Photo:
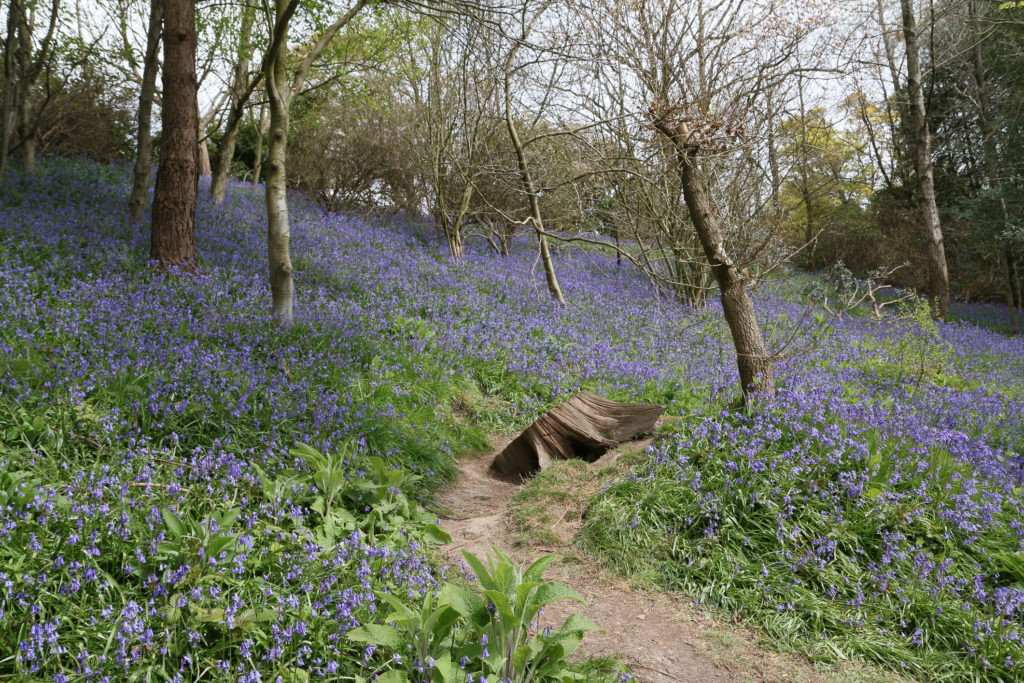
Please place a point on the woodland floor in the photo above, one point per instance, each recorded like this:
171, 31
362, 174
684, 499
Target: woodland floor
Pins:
661, 637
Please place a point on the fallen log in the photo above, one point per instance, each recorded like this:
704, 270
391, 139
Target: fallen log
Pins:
583, 427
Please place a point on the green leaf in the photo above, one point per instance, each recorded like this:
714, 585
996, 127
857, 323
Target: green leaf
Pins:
522, 656
482, 575
537, 569
212, 616
310, 455
377, 634
577, 623
318, 505
444, 666
436, 535
172, 523
551, 592
393, 676
466, 602
439, 624
397, 605
228, 519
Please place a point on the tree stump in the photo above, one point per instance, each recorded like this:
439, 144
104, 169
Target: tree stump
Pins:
583, 427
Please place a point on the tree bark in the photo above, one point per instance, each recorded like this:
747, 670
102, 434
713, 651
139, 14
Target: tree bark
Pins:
282, 286
752, 359
205, 169
27, 134
240, 91
144, 146
938, 274
15, 16
177, 177
257, 163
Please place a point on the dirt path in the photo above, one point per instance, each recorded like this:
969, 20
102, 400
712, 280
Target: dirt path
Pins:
662, 638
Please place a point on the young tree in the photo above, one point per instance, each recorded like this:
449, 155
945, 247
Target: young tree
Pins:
24, 63
526, 176
706, 70
240, 89
177, 177
144, 143
281, 90
938, 274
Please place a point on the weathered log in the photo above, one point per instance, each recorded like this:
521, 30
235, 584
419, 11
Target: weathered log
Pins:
583, 427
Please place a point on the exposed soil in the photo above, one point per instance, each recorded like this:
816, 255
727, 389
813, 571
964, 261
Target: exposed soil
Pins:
663, 638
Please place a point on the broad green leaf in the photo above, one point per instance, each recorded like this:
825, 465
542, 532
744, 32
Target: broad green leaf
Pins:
172, 523
447, 668
213, 616
537, 569
465, 601
577, 623
551, 592
228, 519
376, 634
482, 575
436, 535
397, 604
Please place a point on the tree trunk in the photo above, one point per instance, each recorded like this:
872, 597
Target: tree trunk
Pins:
239, 96
15, 15
938, 275
805, 180
282, 286
205, 170
257, 163
144, 146
752, 360
526, 178
899, 129
174, 200
773, 167
26, 135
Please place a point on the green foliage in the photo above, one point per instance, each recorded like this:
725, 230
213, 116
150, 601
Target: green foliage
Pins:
489, 632
911, 349
347, 492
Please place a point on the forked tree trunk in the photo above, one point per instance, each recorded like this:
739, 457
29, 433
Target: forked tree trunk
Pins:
144, 146
177, 177
752, 359
282, 286
240, 92
938, 275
